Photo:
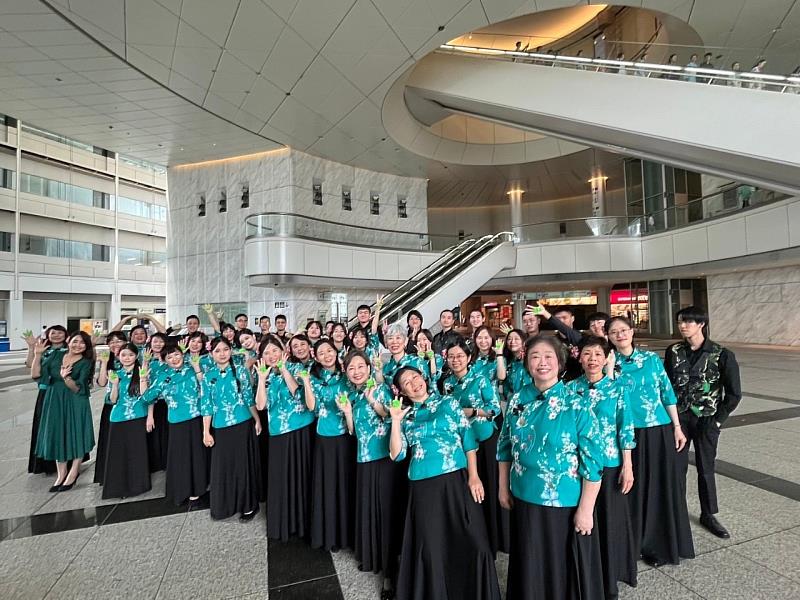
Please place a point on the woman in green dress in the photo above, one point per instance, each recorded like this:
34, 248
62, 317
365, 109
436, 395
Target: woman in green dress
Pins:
66, 432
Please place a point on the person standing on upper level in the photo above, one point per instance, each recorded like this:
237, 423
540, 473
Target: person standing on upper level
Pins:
448, 335
706, 380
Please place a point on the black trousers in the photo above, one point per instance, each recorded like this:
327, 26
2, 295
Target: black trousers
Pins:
703, 433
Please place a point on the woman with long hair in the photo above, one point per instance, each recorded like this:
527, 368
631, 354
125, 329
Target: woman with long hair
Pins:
227, 405
66, 432
158, 438
109, 362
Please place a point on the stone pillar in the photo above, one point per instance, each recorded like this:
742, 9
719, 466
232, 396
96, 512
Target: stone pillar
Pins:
515, 204
598, 191
603, 299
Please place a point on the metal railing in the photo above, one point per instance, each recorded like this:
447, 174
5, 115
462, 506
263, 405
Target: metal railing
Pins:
691, 74
290, 225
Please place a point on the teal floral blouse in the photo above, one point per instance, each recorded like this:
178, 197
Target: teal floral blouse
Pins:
608, 400
437, 435
408, 360
372, 430
552, 442
649, 388
330, 420
475, 390
517, 377
128, 406
287, 412
426, 363
181, 391
222, 399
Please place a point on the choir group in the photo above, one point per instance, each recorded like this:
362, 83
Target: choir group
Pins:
426, 455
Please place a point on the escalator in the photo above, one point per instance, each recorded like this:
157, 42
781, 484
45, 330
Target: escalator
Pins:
458, 273
743, 134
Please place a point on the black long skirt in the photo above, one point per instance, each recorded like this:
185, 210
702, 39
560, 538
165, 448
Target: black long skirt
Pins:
102, 444
446, 554
548, 559
615, 532
126, 470
381, 496
235, 470
658, 499
36, 464
188, 461
263, 453
333, 493
289, 494
498, 519
158, 439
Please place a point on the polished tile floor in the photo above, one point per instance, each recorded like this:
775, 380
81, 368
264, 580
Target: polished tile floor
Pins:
76, 545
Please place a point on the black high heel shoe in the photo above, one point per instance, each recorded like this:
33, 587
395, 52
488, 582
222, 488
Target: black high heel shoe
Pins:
55, 488
68, 487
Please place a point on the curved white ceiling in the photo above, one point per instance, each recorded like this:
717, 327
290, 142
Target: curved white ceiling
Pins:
175, 81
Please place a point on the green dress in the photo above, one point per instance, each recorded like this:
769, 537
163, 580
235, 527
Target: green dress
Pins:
66, 431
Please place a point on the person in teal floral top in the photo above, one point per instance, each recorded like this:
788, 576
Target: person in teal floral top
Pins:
127, 469
158, 438
517, 375
196, 347
188, 459
446, 552
291, 437
475, 385
432, 363
381, 484
333, 492
227, 404
658, 499
396, 341
607, 398
116, 340
550, 473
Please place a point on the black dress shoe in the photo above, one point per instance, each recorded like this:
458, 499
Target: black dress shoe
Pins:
68, 487
54, 488
245, 517
653, 561
715, 527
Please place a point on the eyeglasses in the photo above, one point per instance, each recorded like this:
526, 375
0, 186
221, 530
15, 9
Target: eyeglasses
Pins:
619, 332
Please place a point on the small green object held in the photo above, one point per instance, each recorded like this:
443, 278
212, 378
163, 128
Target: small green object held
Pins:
396, 403
142, 372
262, 369
421, 354
429, 354
27, 333
343, 399
303, 373
370, 383
279, 364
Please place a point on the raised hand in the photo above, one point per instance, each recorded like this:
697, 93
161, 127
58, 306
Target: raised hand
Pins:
381, 299
144, 373
208, 308
263, 369
65, 371
498, 346
195, 360
113, 377
147, 356
39, 347
103, 355
370, 386
377, 363
182, 346
505, 328
28, 338
303, 376
342, 399
396, 410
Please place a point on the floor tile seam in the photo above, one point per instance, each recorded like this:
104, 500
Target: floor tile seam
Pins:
763, 566
287, 585
171, 554
681, 583
72, 560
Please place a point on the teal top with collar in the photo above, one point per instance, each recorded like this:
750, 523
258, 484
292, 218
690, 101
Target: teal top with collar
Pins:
287, 412
128, 406
475, 390
552, 442
48, 354
372, 431
517, 377
649, 388
327, 388
181, 391
226, 397
426, 363
408, 360
608, 400
437, 435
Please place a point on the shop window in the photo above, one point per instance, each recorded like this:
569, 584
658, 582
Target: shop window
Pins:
402, 207
316, 193
347, 201
245, 195
374, 203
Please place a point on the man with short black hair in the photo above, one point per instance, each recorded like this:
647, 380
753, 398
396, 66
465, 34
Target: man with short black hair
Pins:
447, 335
192, 324
530, 323
280, 329
264, 324
706, 380
562, 320
241, 321
597, 324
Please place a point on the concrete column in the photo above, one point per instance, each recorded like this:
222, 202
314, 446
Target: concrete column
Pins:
15, 325
603, 300
598, 190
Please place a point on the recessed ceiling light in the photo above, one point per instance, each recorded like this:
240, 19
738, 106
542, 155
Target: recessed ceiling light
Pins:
214, 144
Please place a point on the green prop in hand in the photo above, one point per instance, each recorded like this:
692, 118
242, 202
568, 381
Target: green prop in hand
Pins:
182, 347
262, 369
27, 333
370, 383
303, 374
143, 372
195, 359
113, 376
343, 399
396, 403
279, 364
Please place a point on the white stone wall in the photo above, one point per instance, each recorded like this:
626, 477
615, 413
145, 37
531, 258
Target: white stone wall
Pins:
205, 254
757, 307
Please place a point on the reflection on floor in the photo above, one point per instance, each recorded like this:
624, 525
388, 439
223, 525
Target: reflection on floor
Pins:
76, 545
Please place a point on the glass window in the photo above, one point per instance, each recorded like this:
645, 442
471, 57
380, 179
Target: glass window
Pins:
57, 248
141, 258
6, 241
137, 208
7, 178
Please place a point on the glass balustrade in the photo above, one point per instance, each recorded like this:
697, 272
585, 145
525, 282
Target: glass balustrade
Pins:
298, 226
697, 73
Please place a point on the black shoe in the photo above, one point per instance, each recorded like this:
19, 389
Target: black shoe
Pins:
65, 487
653, 561
715, 527
54, 488
245, 517
387, 595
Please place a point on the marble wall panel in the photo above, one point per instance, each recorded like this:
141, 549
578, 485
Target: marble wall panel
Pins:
735, 301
